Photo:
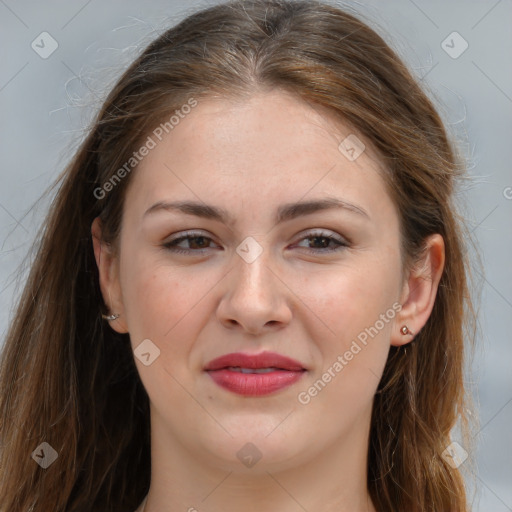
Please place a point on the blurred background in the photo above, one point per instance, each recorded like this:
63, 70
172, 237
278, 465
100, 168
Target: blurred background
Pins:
61, 57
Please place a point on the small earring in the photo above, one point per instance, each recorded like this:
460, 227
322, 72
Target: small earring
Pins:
114, 316
405, 330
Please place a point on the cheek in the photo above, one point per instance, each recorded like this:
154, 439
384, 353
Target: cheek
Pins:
351, 330
163, 302
148, 294
351, 343
347, 299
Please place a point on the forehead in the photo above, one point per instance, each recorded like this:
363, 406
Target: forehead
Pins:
270, 147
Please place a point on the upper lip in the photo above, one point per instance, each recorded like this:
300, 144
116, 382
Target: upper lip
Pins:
254, 361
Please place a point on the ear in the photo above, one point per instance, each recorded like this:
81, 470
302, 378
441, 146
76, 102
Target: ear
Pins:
419, 291
108, 268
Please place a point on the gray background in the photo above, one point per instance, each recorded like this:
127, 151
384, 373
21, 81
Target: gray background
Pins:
47, 103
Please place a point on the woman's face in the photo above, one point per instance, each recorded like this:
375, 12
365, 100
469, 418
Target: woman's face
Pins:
293, 250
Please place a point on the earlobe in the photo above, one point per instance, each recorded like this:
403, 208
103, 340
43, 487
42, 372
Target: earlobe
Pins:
419, 292
107, 264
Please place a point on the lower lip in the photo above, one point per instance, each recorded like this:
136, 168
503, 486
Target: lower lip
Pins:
254, 384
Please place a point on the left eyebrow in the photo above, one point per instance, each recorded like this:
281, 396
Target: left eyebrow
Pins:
285, 212
293, 210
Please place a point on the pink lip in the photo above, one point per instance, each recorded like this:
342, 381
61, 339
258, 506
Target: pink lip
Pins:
287, 371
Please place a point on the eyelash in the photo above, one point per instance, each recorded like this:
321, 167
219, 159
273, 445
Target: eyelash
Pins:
172, 244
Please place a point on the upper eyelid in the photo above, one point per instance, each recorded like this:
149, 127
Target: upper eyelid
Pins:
309, 232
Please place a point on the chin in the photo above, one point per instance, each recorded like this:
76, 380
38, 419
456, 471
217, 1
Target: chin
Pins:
253, 451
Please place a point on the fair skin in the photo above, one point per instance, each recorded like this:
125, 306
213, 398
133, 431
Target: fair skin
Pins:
296, 298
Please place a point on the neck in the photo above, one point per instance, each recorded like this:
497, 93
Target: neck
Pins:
332, 481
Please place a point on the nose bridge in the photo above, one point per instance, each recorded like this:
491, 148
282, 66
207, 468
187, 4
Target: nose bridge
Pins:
254, 297
251, 280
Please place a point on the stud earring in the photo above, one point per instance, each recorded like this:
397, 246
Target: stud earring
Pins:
405, 330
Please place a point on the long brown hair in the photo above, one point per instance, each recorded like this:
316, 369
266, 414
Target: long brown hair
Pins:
69, 380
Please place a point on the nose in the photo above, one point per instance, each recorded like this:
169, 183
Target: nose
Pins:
255, 299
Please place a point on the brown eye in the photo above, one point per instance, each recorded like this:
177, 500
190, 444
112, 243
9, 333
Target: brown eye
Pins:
197, 242
324, 242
